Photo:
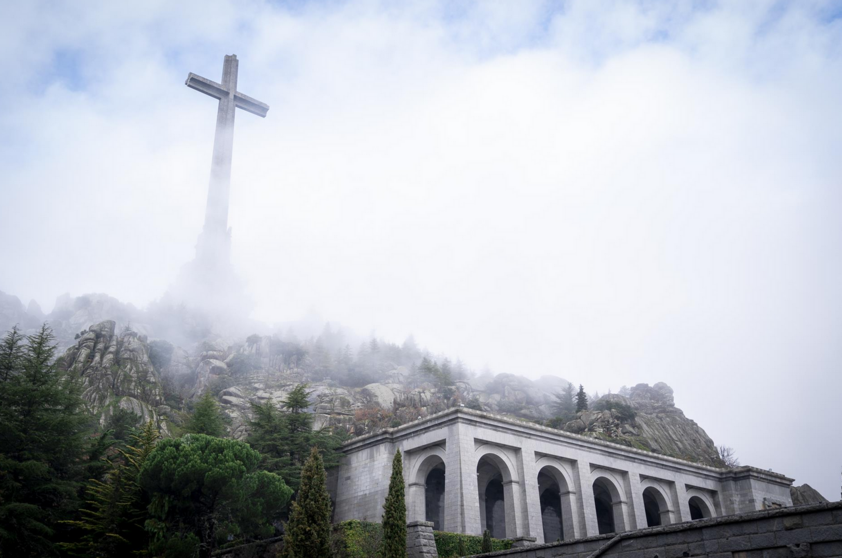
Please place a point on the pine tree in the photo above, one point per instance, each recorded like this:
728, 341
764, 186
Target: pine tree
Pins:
206, 489
308, 531
42, 426
460, 547
394, 513
284, 438
581, 400
565, 404
206, 418
115, 511
486, 542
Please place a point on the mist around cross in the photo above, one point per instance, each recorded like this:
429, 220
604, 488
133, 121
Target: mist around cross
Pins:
613, 193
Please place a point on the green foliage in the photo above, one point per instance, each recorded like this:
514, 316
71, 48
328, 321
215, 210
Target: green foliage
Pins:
308, 533
394, 513
210, 487
565, 404
474, 403
123, 424
450, 545
357, 539
622, 410
442, 376
581, 400
285, 437
42, 426
487, 545
206, 418
113, 516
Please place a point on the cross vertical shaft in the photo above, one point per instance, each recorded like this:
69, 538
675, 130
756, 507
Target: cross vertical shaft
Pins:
213, 244
216, 213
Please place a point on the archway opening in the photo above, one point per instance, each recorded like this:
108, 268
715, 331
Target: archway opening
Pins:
699, 509
551, 514
434, 497
492, 497
650, 505
604, 503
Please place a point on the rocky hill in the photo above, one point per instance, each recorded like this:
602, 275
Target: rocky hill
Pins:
158, 380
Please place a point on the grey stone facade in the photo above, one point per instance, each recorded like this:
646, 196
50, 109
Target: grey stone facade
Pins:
516, 477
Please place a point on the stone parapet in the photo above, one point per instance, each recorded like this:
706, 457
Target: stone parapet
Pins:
420, 542
795, 532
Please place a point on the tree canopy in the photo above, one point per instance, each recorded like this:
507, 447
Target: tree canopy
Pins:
211, 488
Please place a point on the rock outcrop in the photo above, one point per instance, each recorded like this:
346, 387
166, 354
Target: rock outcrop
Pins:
805, 495
116, 372
157, 380
647, 419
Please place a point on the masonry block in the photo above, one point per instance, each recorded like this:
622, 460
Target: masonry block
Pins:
735, 544
820, 518
762, 540
783, 538
826, 550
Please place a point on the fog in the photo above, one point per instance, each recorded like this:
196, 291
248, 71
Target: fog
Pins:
611, 192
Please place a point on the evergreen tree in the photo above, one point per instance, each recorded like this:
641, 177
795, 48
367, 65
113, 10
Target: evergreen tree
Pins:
565, 404
206, 418
115, 511
394, 513
581, 400
208, 488
460, 547
42, 426
486, 542
308, 531
284, 438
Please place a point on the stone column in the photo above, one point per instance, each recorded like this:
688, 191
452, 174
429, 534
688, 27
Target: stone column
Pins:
533, 525
637, 508
420, 542
454, 491
682, 513
415, 495
470, 490
585, 489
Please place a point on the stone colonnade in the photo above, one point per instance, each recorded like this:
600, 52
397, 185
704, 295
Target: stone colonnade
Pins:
467, 471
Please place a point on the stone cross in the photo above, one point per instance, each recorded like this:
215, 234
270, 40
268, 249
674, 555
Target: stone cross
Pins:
215, 233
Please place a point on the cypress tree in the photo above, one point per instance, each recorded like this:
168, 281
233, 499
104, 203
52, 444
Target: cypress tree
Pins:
581, 400
486, 542
308, 530
394, 513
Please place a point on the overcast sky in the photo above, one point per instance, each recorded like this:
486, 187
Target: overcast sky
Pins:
612, 192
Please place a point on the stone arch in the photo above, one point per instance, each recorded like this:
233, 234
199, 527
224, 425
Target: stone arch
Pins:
559, 497
609, 503
664, 496
656, 507
497, 485
426, 495
699, 508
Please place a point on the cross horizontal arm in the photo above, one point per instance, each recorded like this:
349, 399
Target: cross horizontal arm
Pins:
251, 105
206, 86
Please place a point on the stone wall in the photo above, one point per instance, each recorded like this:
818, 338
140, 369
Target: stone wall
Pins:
806, 531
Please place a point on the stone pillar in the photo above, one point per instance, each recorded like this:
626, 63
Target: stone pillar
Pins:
585, 488
638, 510
470, 489
683, 511
454, 490
533, 525
420, 542
415, 495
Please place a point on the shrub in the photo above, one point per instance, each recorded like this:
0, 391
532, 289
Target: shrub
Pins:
448, 544
622, 410
357, 539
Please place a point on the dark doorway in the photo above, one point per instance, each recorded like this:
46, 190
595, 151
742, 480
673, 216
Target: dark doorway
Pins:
495, 509
434, 497
604, 508
653, 510
698, 508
